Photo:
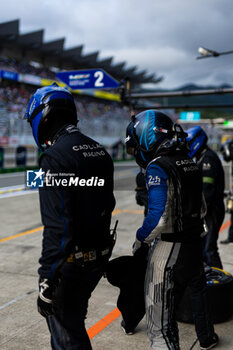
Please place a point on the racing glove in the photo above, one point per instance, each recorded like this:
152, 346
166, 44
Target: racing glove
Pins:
45, 297
137, 244
142, 252
141, 197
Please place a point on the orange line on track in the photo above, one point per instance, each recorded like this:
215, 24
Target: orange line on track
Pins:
115, 212
22, 234
129, 211
224, 226
115, 313
103, 323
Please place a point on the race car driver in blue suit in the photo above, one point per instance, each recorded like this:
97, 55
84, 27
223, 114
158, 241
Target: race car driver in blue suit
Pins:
173, 228
76, 240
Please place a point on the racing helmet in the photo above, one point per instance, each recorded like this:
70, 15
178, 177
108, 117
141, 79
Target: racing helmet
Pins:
146, 133
227, 150
129, 141
50, 107
197, 140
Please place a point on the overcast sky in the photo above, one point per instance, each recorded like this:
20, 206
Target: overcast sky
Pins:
160, 36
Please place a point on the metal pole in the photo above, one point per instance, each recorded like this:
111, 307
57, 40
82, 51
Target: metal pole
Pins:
214, 54
225, 53
128, 91
184, 93
139, 107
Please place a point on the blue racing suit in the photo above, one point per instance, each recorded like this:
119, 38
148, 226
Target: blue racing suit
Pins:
173, 226
156, 180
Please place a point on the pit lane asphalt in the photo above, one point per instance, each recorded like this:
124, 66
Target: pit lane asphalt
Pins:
22, 328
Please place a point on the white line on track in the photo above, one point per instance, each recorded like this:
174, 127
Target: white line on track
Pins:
12, 188
16, 194
12, 191
18, 299
7, 175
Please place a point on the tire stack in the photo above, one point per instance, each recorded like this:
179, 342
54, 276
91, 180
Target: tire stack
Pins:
219, 294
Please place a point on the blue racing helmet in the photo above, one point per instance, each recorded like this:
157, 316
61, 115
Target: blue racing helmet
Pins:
145, 134
50, 106
197, 140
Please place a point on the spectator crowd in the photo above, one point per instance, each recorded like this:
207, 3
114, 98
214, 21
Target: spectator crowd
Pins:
96, 117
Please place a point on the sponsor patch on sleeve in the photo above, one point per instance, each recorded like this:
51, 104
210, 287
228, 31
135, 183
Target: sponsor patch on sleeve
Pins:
154, 180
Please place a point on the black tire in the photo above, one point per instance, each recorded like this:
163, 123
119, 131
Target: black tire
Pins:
219, 294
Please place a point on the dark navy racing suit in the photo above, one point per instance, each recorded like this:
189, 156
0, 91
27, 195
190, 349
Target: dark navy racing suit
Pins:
213, 188
173, 226
76, 238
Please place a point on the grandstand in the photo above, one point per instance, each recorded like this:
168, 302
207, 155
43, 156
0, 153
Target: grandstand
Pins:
27, 62
25, 48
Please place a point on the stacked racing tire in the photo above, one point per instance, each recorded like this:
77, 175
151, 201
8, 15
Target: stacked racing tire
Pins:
219, 294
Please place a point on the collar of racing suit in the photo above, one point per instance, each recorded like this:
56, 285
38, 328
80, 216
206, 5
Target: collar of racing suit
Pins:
168, 147
200, 155
61, 131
